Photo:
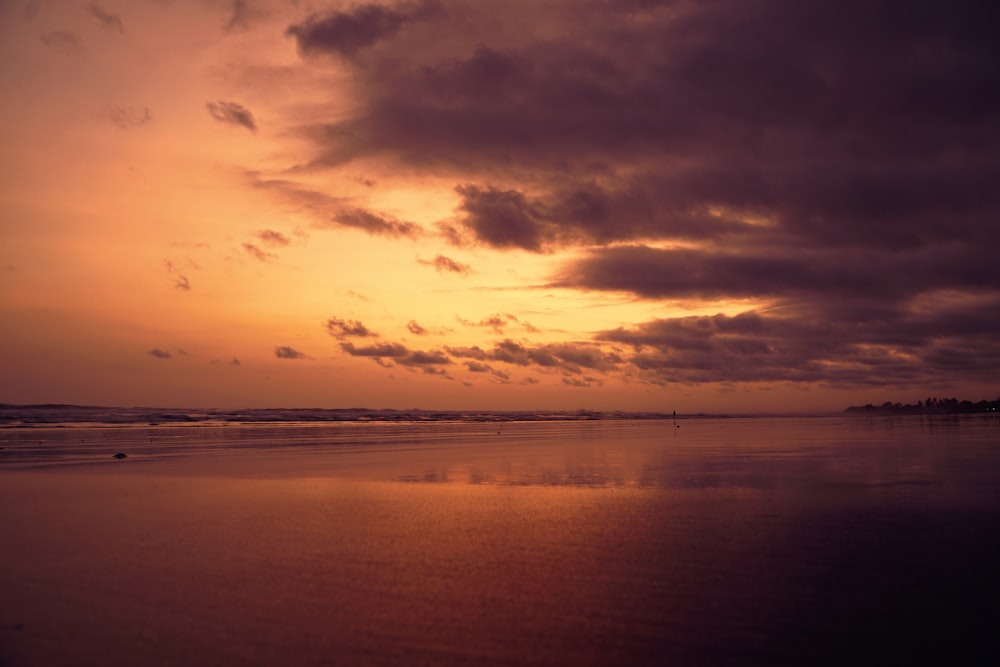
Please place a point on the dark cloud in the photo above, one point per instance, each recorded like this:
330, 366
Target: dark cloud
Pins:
272, 238
498, 322
182, 283
841, 274
286, 352
398, 353
501, 218
477, 367
244, 13
834, 164
63, 41
334, 212
415, 328
568, 357
898, 348
388, 350
127, 117
356, 295
257, 253
345, 33
832, 123
30, 11
446, 264
107, 20
160, 354
421, 358
232, 113
373, 223
339, 328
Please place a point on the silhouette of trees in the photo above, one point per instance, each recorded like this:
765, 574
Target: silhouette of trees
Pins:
929, 406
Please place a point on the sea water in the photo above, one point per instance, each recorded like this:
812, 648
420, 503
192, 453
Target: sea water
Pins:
793, 540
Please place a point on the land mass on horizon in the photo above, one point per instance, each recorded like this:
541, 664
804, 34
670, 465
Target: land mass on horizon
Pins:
930, 406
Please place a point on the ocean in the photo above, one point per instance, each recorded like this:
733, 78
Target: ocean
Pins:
406, 538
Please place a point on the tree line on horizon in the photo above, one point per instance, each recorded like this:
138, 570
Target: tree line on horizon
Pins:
930, 406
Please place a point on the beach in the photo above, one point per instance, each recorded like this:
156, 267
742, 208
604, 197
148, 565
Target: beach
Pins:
745, 541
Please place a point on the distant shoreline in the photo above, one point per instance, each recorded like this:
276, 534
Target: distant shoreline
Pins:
61, 414
56, 414
930, 406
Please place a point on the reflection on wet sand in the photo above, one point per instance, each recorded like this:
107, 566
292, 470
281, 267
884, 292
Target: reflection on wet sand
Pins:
732, 543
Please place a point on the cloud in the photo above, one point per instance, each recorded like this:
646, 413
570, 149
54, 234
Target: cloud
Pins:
569, 357
382, 350
841, 274
356, 295
415, 328
232, 113
107, 20
182, 283
442, 263
63, 41
501, 218
257, 253
346, 33
374, 223
244, 13
333, 212
340, 328
831, 123
160, 354
286, 352
127, 117
897, 348
498, 322
272, 238
830, 165
398, 353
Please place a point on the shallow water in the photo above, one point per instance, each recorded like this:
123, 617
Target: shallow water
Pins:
725, 541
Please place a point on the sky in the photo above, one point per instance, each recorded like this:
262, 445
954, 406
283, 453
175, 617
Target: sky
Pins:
701, 206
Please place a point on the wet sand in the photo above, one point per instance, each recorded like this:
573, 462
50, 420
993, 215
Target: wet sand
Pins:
551, 547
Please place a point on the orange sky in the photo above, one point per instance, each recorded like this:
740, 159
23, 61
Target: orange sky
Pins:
246, 204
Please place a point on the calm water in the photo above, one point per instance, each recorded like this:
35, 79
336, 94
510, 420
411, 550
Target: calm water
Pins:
725, 541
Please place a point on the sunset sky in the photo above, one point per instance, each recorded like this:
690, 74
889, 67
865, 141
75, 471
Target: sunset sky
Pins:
711, 206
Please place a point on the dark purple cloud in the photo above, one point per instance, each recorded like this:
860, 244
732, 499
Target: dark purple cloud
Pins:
107, 20
345, 33
834, 123
374, 223
570, 357
447, 265
340, 328
862, 273
387, 350
833, 165
63, 41
398, 353
232, 113
160, 354
332, 212
257, 253
896, 349
244, 13
127, 117
272, 238
286, 352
